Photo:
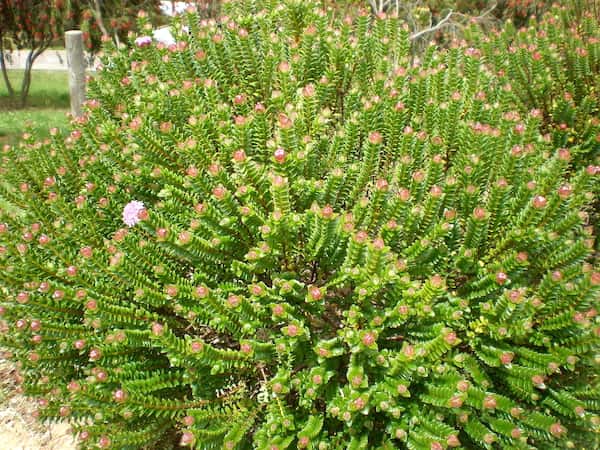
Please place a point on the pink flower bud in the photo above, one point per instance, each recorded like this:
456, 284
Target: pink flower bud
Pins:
22, 297
278, 181
239, 99
292, 330
463, 385
501, 278
161, 233
234, 301
359, 403
284, 121
157, 329
119, 395
315, 293
538, 380
278, 310
91, 305
506, 357
375, 138
418, 176
171, 290
309, 90
104, 442
453, 441
592, 170
143, 41
557, 430
73, 386
279, 155
450, 338
246, 348
368, 339
219, 192
35, 325
515, 296
455, 402
539, 202
283, 67
436, 191
197, 346
557, 276
382, 184
95, 354
489, 402
404, 194
479, 213
522, 257
101, 376
327, 212
86, 252
187, 438
184, 237
239, 156
201, 291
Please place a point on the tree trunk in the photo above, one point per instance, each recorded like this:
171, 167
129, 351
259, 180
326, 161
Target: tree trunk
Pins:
9, 88
26, 82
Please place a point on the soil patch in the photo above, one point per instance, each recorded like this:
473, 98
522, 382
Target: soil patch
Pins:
19, 430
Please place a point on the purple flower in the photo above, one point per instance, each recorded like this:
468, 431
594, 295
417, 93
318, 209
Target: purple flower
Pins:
131, 211
143, 41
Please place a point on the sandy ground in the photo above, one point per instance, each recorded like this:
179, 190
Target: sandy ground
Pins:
18, 429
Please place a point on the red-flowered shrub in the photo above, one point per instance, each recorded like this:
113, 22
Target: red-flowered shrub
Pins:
31, 25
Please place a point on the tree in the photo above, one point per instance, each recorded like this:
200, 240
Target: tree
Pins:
114, 18
31, 25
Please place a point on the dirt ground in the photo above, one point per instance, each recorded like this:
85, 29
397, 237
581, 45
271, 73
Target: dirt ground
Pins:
18, 429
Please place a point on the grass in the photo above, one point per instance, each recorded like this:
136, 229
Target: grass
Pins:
47, 104
49, 88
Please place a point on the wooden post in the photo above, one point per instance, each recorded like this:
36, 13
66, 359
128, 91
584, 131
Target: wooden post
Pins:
76, 65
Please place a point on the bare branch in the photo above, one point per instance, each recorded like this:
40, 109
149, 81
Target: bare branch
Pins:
436, 27
481, 16
373, 6
97, 11
98, 17
446, 21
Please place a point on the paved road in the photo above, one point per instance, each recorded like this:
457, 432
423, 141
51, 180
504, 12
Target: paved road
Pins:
49, 60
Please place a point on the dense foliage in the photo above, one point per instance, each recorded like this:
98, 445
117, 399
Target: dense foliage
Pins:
278, 233
553, 67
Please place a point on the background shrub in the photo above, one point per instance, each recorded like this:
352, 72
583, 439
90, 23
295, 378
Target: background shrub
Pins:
277, 233
554, 67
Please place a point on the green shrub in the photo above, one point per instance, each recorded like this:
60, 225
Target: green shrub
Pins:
323, 247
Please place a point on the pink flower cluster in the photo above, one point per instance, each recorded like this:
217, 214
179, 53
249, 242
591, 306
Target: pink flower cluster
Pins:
143, 41
131, 212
